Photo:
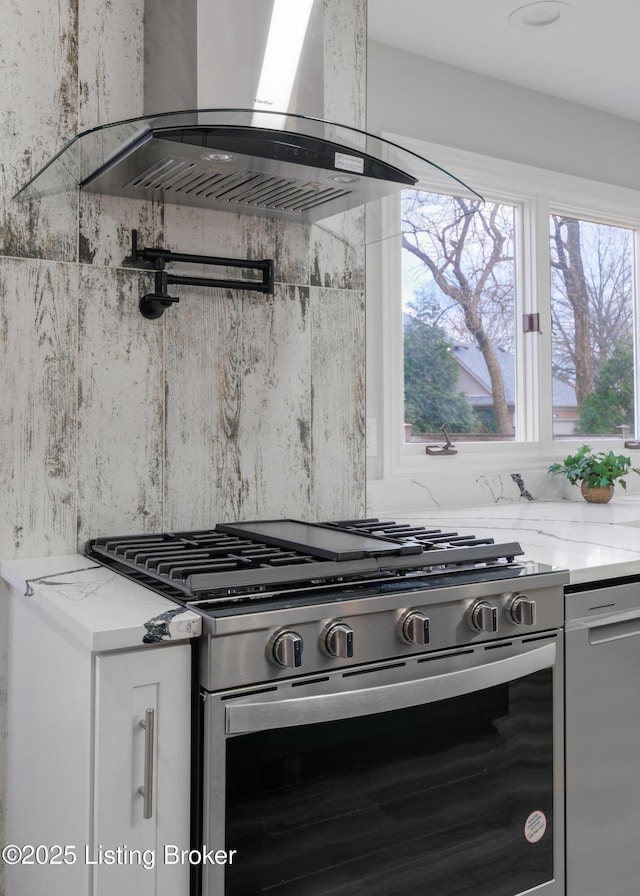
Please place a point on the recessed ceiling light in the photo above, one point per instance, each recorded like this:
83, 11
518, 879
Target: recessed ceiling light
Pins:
541, 15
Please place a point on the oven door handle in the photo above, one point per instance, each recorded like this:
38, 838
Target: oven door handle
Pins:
244, 718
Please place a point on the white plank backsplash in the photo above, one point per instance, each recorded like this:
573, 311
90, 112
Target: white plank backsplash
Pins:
337, 347
38, 344
38, 113
203, 396
120, 406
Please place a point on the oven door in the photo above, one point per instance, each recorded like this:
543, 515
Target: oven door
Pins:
440, 775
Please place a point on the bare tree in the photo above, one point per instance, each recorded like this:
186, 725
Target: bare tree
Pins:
465, 246
591, 298
568, 261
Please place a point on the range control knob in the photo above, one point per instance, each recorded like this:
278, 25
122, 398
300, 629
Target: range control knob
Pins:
338, 640
414, 628
522, 610
286, 649
483, 617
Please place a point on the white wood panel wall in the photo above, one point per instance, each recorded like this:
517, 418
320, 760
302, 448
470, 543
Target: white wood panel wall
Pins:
233, 404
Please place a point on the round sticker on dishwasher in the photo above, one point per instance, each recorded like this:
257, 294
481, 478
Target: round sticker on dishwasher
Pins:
535, 826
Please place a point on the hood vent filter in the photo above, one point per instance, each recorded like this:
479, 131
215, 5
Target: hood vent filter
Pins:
177, 179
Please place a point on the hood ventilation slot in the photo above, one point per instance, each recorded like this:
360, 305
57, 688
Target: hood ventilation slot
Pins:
176, 177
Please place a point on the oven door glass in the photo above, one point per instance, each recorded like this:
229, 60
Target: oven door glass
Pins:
450, 797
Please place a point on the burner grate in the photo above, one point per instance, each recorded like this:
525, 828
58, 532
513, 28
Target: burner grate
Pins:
207, 563
427, 538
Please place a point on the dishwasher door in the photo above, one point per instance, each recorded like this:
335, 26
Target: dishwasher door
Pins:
602, 740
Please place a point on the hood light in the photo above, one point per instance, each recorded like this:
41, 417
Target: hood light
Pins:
218, 157
343, 178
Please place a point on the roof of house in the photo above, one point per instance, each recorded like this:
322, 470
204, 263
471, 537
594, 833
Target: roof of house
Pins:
471, 359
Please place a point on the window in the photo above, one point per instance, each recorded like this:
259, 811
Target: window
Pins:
592, 328
448, 295
459, 316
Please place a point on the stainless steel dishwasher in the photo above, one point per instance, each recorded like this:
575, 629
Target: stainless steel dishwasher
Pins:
602, 738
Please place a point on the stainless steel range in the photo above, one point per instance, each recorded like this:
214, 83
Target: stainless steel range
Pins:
381, 707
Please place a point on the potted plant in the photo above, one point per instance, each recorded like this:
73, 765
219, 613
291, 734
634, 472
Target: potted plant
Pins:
596, 471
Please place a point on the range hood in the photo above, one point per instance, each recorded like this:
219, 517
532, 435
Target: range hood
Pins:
304, 170
245, 158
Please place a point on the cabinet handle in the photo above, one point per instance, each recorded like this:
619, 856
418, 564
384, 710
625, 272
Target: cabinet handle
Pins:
146, 789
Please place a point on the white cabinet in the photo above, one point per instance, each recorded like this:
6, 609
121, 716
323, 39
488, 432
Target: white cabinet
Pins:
147, 688
77, 757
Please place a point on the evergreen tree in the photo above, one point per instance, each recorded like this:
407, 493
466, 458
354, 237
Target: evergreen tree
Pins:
610, 405
430, 377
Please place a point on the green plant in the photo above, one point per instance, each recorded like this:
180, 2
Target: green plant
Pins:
596, 468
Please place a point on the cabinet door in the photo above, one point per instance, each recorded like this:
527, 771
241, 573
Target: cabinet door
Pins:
136, 836
603, 757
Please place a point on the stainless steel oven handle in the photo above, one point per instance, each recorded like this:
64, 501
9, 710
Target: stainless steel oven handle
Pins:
243, 718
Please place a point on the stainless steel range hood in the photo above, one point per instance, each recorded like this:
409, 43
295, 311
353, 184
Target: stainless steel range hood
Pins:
247, 158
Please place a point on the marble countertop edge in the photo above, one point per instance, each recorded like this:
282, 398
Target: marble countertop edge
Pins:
97, 607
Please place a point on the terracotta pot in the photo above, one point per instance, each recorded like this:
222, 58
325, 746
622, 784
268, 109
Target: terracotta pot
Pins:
599, 494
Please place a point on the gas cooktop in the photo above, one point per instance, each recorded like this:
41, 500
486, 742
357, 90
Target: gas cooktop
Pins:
236, 561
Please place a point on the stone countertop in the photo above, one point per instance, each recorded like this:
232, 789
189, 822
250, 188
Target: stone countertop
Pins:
99, 608
593, 541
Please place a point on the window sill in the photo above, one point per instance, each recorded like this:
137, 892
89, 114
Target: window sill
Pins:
479, 474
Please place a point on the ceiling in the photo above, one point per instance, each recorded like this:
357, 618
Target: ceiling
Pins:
591, 55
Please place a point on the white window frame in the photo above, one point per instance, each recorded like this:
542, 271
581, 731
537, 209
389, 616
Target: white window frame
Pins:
536, 193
